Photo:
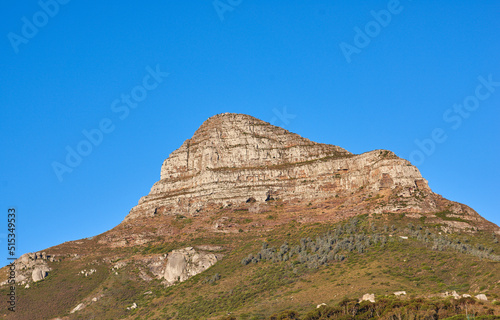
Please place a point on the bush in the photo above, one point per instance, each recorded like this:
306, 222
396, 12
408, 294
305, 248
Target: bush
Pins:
285, 315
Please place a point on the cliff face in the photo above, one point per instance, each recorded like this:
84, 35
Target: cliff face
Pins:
234, 158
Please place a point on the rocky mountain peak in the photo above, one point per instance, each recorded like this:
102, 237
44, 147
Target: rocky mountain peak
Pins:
234, 158
232, 140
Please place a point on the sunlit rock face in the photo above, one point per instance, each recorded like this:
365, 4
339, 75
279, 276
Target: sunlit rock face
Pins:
232, 158
184, 263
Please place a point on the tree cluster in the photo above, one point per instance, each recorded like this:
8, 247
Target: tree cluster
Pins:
327, 248
441, 243
393, 309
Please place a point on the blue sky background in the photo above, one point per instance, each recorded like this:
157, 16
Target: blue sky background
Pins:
261, 59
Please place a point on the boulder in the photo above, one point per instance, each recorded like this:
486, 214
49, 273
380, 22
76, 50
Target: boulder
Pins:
184, 263
132, 307
368, 297
77, 308
39, 273
482, 297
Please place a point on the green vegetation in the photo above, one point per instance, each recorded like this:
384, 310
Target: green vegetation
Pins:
394, 308
181, 221
326, 249
444, 215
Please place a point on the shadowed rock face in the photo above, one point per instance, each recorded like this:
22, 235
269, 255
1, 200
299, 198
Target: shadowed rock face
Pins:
233, 157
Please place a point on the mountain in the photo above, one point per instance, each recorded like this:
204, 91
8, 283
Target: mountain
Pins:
249, 220
232, 158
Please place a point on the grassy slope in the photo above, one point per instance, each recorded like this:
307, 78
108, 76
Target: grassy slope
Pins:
258, 290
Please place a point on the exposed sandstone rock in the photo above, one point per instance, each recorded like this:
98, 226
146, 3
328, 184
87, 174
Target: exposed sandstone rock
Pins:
482, 297
32, 259
87, 273
119, 265
232, 158
31, 267
156, 265
132, 307
368, 297
78, 307
184, 263
39, 273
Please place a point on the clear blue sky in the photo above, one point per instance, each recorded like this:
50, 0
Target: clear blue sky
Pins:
348, 80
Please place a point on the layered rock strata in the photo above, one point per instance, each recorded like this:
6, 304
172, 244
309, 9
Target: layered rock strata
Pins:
234, 157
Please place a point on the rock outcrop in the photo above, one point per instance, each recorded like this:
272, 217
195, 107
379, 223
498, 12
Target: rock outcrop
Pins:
187, 262
32, 266
235, 158
79, 307
368, 297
